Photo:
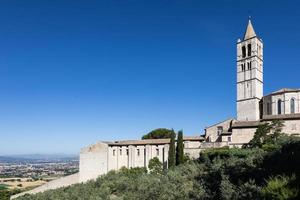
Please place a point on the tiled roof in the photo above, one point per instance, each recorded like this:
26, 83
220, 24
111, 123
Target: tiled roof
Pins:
152, 141
283, 90
243, 124
281, 117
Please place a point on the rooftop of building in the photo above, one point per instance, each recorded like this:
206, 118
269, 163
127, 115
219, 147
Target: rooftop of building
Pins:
243, 124
152, 141
284, 90
281, 117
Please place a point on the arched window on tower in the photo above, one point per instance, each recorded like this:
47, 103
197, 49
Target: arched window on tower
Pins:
243, 67
292, 106
243, 51
249, 49
279, 107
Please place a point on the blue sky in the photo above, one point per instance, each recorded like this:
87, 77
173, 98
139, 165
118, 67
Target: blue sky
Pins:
75, 72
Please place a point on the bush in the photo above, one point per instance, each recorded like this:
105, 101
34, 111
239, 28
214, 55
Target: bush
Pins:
155, 166
279, 187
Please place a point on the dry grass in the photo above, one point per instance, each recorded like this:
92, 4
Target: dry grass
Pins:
21, 183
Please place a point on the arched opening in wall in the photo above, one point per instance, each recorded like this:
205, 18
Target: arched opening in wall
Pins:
279, 107
249, 49
220, 130
268, 108
243, 51
292, 106
261, 112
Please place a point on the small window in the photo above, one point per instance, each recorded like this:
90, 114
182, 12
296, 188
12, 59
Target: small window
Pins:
292, 105
250, 65
249, 49
114, 152
279, 107
120, 152
229, 139
138, 152
157, 152
244, 51
127, 152
220, 130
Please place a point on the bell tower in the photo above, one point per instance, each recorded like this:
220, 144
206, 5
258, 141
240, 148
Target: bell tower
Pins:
249, 75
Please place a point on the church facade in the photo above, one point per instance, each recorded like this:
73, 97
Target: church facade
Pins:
253, 108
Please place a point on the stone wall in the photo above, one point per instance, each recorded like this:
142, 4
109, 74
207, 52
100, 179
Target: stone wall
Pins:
93, 161
211, 132
242, 135
58, 183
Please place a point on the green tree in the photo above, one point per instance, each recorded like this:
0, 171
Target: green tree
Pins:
260, 135
159, 133
276, 128
267, 134
155, 166
172, 151
179, 149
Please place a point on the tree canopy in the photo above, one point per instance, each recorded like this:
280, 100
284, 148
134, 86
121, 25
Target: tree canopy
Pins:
159, 133
267, 134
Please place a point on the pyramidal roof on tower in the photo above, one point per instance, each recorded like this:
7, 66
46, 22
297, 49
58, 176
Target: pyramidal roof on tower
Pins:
249, 31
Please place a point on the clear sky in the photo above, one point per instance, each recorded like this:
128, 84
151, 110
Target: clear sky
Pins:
75, 72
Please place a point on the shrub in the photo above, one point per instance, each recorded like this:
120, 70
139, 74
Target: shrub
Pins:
155, 166
279, 188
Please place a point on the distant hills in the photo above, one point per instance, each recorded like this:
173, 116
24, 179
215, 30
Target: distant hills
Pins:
35, 157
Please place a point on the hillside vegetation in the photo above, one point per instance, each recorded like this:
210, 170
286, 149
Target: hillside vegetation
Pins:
268, 168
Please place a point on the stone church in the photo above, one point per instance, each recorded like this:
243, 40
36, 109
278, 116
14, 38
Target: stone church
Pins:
253, 108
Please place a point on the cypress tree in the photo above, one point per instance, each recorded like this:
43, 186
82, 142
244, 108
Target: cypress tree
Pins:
172, 151
179, 149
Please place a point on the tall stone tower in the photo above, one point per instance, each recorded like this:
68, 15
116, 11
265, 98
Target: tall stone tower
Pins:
249, 75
